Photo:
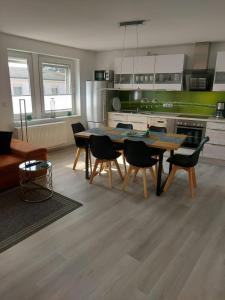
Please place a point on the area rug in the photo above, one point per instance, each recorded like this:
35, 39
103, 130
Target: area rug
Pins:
19, 219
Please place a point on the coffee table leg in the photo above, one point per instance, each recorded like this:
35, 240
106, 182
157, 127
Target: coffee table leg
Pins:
159, 175
87, 176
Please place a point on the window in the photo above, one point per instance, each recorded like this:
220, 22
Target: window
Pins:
20, 83
56, 80
46, 83
17, 91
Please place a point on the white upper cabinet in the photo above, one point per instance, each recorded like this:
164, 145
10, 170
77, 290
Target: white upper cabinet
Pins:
124, 65
144, 64
150, 72
219, 79
173, 63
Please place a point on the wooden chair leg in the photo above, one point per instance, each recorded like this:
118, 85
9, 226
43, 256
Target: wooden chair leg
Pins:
118, 168
170, 178
145, 183
89, 154
194, 177
94, 170
77, 156
191, 183
110, 174
153, 175
126, 179
135, 173
124, 163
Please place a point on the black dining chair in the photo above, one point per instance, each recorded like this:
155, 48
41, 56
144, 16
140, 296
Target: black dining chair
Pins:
187, 163
102, 149
118, 146
79, 142
138, 156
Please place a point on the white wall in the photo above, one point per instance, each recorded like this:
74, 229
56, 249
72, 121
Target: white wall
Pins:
105, 59
87, 60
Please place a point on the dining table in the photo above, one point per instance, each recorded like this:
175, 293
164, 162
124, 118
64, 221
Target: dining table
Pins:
160, 140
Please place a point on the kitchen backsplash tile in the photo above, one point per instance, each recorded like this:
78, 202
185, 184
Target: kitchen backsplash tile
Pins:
202, 103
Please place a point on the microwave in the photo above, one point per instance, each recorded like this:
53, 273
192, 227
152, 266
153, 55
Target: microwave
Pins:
103, 75
198, 80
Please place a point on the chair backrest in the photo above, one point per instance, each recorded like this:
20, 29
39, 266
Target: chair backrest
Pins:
78, 127
137, 153
102, 147
195, 155
125, 126
158, 129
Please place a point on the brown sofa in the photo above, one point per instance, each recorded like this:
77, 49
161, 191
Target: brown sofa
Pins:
21, 151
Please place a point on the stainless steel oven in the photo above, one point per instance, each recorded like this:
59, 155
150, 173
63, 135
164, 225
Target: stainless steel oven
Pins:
195, 130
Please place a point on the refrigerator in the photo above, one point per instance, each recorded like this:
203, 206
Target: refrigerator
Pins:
96, 103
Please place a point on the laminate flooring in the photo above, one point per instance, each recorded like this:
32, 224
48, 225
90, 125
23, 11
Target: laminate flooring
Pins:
119, 246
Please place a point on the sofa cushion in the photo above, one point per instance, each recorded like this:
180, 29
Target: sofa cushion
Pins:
5, 140
27, 151
9, 163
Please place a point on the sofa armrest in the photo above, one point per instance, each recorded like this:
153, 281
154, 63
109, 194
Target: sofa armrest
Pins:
27, 151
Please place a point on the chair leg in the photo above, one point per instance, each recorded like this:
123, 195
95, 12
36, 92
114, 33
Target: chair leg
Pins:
145, 183
153, 176
110, 174
126, 179
94, 170
89, 154
77, 156
118, 168
135, 173
191, 182
124, 163
170, 178
194, 177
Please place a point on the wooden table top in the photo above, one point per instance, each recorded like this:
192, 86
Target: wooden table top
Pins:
167, 141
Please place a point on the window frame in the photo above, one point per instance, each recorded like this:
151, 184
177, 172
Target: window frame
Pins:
28, 57
45, 59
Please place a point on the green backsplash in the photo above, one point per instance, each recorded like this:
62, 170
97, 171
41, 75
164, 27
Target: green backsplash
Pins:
202, 103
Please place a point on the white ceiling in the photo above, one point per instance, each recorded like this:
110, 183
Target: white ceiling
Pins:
93, 24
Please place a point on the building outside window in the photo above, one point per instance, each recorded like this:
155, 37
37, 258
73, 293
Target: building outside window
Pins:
20, 83
56, 86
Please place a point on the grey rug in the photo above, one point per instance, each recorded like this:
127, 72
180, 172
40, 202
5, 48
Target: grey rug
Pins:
19, 219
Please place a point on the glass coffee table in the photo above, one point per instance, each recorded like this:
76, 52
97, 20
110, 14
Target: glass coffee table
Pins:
36, 180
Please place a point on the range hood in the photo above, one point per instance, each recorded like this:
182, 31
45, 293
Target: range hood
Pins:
199, 77
201, 56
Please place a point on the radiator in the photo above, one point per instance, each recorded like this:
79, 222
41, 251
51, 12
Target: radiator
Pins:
50, 135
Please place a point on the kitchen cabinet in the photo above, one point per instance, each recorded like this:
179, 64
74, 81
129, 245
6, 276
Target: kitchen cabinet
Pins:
144, 69
215, 148
124, 70
219, 78
138, 121
169, 72
150, 72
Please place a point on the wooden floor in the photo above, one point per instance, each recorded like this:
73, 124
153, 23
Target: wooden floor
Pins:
119, 246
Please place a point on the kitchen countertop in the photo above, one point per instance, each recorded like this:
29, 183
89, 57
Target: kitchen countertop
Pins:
169, 115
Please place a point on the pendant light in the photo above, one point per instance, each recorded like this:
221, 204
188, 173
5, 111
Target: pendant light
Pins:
126, 24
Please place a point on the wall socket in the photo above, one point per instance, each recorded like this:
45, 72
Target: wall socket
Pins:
168, 105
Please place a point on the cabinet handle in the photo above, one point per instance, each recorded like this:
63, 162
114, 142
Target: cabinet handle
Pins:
216, 129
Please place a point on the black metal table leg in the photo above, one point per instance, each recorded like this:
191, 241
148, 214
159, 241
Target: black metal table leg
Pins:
171, 154
159, 175
87, 175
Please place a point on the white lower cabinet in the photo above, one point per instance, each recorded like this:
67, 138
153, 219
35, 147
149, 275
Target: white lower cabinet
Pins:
215, 148
139, 122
